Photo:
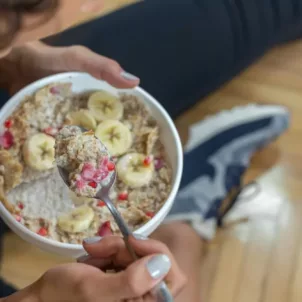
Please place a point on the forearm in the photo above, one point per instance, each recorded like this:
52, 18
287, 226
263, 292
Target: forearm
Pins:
28, 294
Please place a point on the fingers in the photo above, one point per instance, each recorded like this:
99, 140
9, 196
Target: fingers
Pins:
109, 247
80, 58
140, 277
114, 248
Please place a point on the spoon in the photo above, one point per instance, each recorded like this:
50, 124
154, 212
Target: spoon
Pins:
161, 291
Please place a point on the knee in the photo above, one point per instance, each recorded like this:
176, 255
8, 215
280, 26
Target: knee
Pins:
176, 233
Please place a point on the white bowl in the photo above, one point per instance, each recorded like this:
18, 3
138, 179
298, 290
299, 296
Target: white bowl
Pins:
169, 137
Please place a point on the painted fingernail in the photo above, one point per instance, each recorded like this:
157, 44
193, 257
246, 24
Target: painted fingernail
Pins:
128, 76
83, 258
159, 266
92, 240
140, 237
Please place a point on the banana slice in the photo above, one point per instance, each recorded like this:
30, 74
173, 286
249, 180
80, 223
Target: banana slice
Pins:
105, 106
77, 220
39, 152
115, 136
79, 200
82, 118
133, 171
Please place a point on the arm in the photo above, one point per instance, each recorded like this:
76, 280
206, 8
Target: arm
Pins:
29, 294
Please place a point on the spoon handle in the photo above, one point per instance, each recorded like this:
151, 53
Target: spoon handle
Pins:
161, 291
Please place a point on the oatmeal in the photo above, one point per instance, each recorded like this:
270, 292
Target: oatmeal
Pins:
85, 159
31, 187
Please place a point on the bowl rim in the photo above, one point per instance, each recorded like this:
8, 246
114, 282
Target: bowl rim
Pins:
179, 153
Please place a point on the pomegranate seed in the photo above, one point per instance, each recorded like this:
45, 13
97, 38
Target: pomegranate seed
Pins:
54, 90
42, 232
92, 184
150, 214
111, 166
147, 161
8, 123
80, 183
105, 229
20, 205
18, 218
123, 196
158, 163
51, 131
6, 139
100, 174
88, 171
101, 203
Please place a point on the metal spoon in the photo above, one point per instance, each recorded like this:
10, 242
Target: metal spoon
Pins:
161, 291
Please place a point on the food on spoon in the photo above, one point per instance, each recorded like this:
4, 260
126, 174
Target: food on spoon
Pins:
38, 152
115, 136
105, 106
86, 160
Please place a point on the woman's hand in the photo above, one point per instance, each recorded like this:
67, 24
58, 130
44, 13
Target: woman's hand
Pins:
88, 281
36, 60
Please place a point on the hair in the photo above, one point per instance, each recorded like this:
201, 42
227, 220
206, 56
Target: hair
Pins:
12, 12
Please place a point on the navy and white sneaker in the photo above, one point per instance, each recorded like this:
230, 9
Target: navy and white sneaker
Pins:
216, 156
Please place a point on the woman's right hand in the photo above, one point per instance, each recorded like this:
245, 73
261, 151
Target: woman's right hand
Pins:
88, 281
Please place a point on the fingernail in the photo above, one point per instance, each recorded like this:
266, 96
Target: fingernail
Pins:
92, 240
159, 266
128, 76
83, 258
140, 237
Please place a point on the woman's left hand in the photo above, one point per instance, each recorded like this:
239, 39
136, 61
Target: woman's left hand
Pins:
36, 60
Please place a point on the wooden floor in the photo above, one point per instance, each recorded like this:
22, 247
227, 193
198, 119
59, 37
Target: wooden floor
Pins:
256, 261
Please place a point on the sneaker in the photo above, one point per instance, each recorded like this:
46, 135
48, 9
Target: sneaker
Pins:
216, 156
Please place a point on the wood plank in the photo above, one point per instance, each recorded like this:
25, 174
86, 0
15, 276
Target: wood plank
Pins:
285, 253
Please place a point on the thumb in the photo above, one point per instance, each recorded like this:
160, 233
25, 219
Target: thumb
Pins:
140, 277
83, 59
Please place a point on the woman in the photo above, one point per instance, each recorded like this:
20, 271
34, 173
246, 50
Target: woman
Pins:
22, 22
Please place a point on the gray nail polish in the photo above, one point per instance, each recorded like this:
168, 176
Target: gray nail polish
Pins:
83, 258
159, 266
92, 240
140, 237
128, 76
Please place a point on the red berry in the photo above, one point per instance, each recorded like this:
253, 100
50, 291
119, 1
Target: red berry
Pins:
20, 205
147, 161
51, 131
42, 232
18, 218
123, 196
150, 214
111, 166
54, 90
158, 163
88, 171
8, 123
105, 229
6, 139
101, 203
92, 184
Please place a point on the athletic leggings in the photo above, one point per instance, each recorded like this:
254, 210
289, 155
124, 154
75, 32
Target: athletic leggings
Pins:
184, 49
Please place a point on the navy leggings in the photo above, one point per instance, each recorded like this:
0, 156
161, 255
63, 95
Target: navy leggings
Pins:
184, 49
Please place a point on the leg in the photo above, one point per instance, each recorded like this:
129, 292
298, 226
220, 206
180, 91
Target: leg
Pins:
184, 49
177, 235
